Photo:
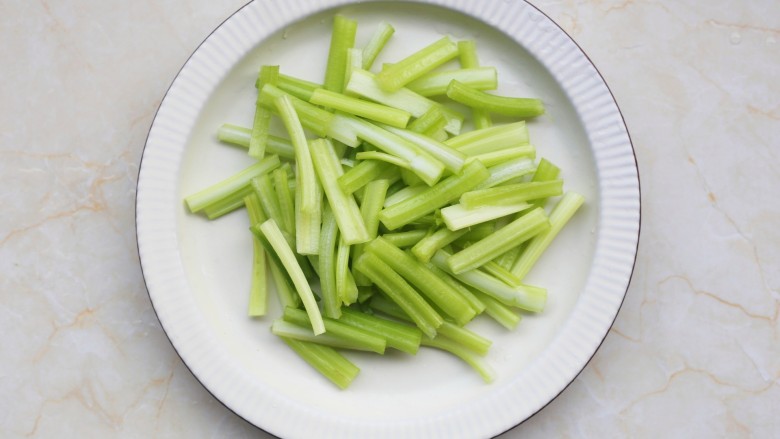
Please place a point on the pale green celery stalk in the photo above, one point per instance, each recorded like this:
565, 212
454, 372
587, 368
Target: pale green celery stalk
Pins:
364, 83
397, 335
511, 194
503, 274
258, 290
327, 264
545, 171
476, 233
504, 315
270, 231
560, 215
346, 289
457, 217
465, 337
434, 197
405, 239
508, 106
453, 159
284, 288
316, 119
475, 302
385, 305
264, 189
431, 121
231, 185
366, 171
507, 260
472, 359
365, 293
342, 38
284, 328
354, 61
377, 42
423, 164
344, 207
502, 240
400, 292
410, 178
405, 194
240, 136
307, 224
262, 121
497, 157
306, 181
439, 135
467, 49
490, 139
374, 198
414, 272
285, 198
384, 157
338, 329
342, 130
435, 83
228, 204
526, 297
358, 107
326, 361
507, 171
393, 77
439, 239
297, 87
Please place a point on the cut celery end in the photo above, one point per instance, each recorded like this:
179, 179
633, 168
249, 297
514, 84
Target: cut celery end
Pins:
434, 84
394, 77
342, 39
457, 217
262, 120
305, 168
472, 359
504, 315
511, 194
326, 361
508, 106
467, 50
369, 110
397, 335
227, 204
384, 157
336, 328
545, 171
491, 139
316, 119
466, 338
377, 42
297, 87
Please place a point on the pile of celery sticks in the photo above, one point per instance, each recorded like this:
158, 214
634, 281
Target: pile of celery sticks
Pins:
410, 226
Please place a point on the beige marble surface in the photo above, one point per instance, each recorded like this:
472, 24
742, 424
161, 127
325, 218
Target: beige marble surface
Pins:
695, 351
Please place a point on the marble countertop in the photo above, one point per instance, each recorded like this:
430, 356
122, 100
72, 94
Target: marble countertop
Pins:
695, 350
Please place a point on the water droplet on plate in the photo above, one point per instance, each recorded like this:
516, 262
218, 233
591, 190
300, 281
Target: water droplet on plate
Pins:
735, 38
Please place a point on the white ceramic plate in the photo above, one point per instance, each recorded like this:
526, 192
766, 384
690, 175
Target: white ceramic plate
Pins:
197, 272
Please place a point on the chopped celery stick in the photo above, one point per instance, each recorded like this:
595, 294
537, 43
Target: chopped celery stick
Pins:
503, 239
560, 215
511, 194
453, 159
273, 235
433, 84
364, 293
439, 135
381, 303
262, 122
264, 189
237, 135
284, 288
405, 239
354, 61
405, 194
507, 260
475, 302
467, 50
504, 315
518, 107
285, 199
475, 233
457, 217
431, 120
307, 224
334, 327
475, 361
501, 273
466, 338
373, 201
400, 292
545, 171
397, 335
384, 157
231, 185
283, 328
490, 139
507, 171
311, 116
526, 297
417, 64
410, 178
299, 88
343, 205
434, 197
326, 361
227, 204
369, 110
341, 129
377, 42
366, 171
439, 239
258, 290
342, 38
346, 289
327, 264
502, 156
364, 84
413, 271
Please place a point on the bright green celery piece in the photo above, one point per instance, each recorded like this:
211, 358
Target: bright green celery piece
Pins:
400, 292
545, 171
258, 290
264, 188
435, 83
365, 293
369, 110
342, 38
502, 156
285, 198
230, 186
284, 288
393, 77
405, 194
377, 42
385, 305
503, 274
434, 197
327, 264
467, 49
405, 239
439, 239
366, 171
423, 164
345, 208
502, 240
475, 233
475, 302
417, 274
511, 194
397, 335
431, 121
507, 260
335, 327
373, 201
300, 88
504, 315
526, 297
326, 361
273, 235
240, 136
457, 217
472, 359
507, 171
284, 328
384, 157
560, 215
453, 159
228, 204
354, 61
410, 178
262, 121
490, 139
364, 83
346, 290
509, 106
465, 337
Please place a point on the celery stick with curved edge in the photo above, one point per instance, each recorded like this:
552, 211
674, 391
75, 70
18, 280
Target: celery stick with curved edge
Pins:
490, 139
545, 171
273, 235
337, 328
326, 361
503, 274
262, 122
342, 39
457, 217
511, 194
467, 51
393, 77
354, 61
397, 335
240, 136
310, 116
384, 157
435, 83
284, 328
285, 198
258, 290
346, 290
509, 106
358, 107
377, 42
405, 239
373, 200
327, 264
439, 239
472, 359
434, 197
